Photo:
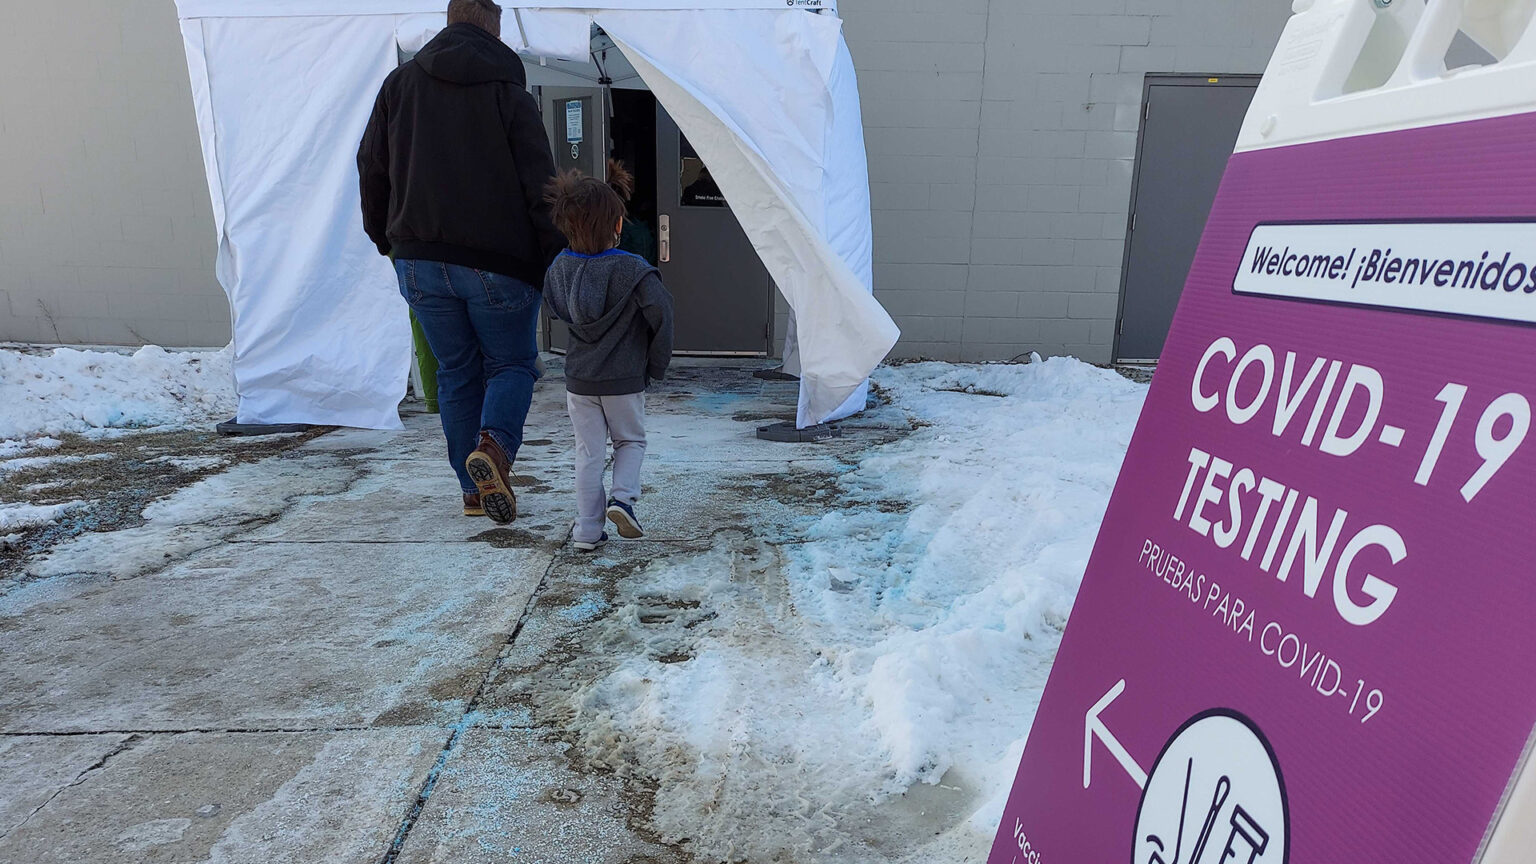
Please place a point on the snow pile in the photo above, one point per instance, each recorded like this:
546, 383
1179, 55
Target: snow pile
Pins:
71, 391
744, 730
17, 516
197, 517
33, 463
901, 636
945, 620
9, 449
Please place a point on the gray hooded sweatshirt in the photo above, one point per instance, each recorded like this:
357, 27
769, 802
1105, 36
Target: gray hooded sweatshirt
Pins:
620, 318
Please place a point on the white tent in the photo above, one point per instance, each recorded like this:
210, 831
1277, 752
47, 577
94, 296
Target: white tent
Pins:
764, 90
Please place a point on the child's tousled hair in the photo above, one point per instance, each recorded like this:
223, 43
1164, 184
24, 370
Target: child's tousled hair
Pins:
620, 180
585, 209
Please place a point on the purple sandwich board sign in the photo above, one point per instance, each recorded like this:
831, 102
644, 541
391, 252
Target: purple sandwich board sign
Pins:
1305, 632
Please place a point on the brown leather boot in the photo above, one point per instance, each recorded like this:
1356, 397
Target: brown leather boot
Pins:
490, 468
472, 505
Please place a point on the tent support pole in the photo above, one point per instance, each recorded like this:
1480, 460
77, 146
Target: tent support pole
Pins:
522, 32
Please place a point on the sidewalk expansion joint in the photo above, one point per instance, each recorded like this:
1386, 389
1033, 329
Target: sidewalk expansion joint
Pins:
465, 723
122, 747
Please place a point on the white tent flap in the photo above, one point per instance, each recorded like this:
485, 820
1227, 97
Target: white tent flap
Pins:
756, 108
321, 334
846, 190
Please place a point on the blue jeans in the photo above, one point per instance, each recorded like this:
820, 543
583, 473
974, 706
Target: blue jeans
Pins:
483, 330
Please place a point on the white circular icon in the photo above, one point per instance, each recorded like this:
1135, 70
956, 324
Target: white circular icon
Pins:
1215, 796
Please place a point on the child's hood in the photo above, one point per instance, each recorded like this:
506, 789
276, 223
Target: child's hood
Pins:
591, 292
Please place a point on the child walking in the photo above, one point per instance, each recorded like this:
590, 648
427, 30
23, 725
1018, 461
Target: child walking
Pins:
620, 320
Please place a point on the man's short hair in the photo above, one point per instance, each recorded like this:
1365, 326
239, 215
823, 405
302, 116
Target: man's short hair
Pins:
484, 14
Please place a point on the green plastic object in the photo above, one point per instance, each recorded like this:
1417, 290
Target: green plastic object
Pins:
427, 363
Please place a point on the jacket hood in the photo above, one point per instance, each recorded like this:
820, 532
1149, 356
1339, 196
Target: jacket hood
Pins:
465, 54
591, 292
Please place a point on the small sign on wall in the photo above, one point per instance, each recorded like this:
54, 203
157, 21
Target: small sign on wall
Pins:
573, 122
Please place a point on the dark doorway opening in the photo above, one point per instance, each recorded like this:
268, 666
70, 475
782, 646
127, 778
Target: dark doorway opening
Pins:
634, 144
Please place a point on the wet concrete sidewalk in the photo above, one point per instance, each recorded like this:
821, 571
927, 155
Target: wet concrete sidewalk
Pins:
315, 658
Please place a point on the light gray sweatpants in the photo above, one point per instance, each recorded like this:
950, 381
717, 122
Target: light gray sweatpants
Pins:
596, 420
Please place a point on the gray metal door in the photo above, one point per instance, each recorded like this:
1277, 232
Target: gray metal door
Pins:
1189, 127
721, 289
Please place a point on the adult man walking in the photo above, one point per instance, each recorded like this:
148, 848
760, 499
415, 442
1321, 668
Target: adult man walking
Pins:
453, 167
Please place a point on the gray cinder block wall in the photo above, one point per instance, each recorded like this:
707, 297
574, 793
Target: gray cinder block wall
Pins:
106, 231
1001, 135
1001, 138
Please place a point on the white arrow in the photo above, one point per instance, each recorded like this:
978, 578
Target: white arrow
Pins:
1093, 726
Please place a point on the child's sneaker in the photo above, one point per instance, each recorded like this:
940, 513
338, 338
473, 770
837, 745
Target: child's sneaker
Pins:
623, 518
589, 545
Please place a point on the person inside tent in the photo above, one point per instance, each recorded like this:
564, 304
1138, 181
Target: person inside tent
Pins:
452, 167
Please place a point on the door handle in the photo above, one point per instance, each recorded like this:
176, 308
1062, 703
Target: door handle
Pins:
666, 239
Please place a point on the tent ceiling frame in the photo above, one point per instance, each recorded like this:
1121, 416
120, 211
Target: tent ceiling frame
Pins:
602, 43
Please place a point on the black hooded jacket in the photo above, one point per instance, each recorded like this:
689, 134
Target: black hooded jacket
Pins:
454, 161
